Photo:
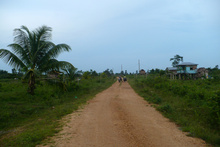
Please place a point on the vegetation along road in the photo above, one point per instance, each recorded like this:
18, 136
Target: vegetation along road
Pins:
119, 117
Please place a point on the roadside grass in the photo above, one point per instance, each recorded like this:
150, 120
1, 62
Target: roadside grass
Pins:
26, 120
194, 105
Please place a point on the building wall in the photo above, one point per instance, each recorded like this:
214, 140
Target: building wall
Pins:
188, 69
142, 72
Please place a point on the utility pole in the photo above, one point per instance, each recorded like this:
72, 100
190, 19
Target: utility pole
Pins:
139, 66
121, 69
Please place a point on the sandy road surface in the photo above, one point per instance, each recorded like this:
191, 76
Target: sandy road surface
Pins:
118, 117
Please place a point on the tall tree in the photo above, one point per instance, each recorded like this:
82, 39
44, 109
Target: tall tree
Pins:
34, 52
108, 72
176, 60
93, 73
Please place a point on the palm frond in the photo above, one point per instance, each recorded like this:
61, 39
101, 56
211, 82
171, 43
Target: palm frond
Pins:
43, 33
52, 64
56, 50
22, 36
11, 59
22, 53
56, 65
70, 71
41, 57
65, 65
25, 28
49, 51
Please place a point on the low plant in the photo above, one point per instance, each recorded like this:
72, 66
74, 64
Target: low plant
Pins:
192, 104
26, 119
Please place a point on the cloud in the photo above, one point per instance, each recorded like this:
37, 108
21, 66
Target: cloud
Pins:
125, 31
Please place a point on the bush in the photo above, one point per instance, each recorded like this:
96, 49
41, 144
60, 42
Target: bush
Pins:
157, 100
166, 108
194, 104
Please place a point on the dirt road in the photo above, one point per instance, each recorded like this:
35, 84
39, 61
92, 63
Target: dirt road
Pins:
118, 117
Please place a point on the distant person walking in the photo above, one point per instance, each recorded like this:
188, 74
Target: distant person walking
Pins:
125, 79
119, 79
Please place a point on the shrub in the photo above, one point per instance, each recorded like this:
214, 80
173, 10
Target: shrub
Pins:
166, 108
157, 100
194, 104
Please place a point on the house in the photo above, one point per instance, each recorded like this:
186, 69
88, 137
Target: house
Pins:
187, 70
171, 72
53, 74
202, 72
142, 72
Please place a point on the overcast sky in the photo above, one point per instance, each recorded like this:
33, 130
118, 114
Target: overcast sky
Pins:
108, 34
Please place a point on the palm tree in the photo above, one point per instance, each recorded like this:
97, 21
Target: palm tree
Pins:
33, 52
71, 72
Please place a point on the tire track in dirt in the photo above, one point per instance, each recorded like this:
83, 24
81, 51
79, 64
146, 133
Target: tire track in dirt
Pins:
124, 125
119, 117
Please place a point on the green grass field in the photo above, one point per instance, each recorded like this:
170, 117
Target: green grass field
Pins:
193, 104
26, 120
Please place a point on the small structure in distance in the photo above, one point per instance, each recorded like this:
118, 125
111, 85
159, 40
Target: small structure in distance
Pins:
186, 70
142, 72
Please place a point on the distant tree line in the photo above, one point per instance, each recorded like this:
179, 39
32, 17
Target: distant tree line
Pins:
156, 71
214, 72
15, 74
3, 74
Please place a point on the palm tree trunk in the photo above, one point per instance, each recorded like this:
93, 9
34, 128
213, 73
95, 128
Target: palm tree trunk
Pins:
31, 84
